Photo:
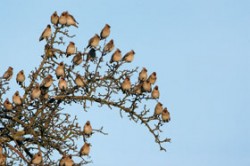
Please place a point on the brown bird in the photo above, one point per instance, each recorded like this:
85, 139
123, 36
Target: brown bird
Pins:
37, 159
109, 46
62, 84
36, 92
47, 82
146, 86
105, 32
158, 109
94, 41
80, 81
152, 78
63, 19
165, 115
155, 93
54, 18
2, 159
85, 149
20, 77
129, 56
137, 89
126, 85
8, 74
71, 49
7, 105
60, 72
17, 99
71, 20
87, 129
116, 56
77, 59
46, 33
49, 51
66, 161
143, 75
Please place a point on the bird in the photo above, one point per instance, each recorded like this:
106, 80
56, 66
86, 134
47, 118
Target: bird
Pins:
71, 20
87, 129
20, 77
62, 84
16, 98
105, 32
109, 46
71, 49
54, 18
63, 19
155, 93
116, 56
152, 78
80, 81
94, 41
49, 51
91, 54
36, 92
60, 72
126, 85
8, 74
143, 75
66, 161
47, 82
46, 33
85, 149
77, 59
37, 158
7, 105
158, 108
146, 86
165, 115
137, 89
129, 56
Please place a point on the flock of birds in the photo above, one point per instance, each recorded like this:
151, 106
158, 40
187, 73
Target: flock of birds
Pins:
40, 90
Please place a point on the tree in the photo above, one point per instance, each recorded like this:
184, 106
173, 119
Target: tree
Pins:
34, 125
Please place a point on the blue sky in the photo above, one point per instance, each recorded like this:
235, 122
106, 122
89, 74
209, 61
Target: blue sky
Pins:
200, 51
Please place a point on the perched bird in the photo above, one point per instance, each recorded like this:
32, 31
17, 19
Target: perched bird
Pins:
37, 159
158, 108
109, 46
129, 56
66, 161
77, 59
138, 89
17, 99
47, 82
165, 115
8, 74
7, 105
20, 77
71, 20
143, 75
116, 56
91, 54
63, 19
54, 18
80, 81
62, 84
155, 93
126, 85
85, 149
71, 49
152, 78
49, 51
146, 86
105, 32
46, 33
60, 72
36, 92
87, 129
2, 159
94, 41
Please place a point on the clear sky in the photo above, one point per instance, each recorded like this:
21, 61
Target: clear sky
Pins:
200, 51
